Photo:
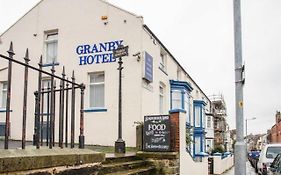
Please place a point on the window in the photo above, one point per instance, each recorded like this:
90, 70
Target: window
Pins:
161, 98
176, 99
97, 90
4, 94
209, 125
2, 128
197, 145
45, 85
197, 113
51, 46
163, 61
186, 106
272, 152
203, 117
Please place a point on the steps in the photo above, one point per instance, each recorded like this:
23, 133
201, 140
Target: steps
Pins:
126, 165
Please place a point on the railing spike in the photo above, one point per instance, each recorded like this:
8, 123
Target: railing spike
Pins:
26, 57
41, 59
11, 49
73, 77
63, 71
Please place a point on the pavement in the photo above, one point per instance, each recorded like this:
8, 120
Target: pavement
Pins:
249, 170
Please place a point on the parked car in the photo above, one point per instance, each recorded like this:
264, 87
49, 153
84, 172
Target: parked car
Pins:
267, 156
275, 167
253, 157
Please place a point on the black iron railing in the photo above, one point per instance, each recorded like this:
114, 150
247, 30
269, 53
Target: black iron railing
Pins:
49, 93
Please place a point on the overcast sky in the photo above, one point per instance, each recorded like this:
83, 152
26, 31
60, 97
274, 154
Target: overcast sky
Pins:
199, 33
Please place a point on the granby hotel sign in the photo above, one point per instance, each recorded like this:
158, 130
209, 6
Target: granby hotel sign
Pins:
97, 53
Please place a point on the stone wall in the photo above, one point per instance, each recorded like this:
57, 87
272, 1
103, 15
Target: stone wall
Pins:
166, 163
14, 160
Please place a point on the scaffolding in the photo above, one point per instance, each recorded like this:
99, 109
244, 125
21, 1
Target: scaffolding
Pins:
219, 111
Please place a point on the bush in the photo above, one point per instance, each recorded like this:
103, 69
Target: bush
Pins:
218, 149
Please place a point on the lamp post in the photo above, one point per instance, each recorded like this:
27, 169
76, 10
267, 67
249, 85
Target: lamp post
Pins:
240, 147
120, 146
246, 120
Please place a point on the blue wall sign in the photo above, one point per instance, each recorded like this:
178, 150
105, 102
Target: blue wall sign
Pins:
148, 67
97, 53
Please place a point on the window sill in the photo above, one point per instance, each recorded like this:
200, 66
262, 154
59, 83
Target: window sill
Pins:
163, 71
50, 64
3, 110
95, 110
177, 110
202, 154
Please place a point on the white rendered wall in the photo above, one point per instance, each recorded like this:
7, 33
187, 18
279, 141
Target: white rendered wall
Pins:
187, 165
222, 165
79, 22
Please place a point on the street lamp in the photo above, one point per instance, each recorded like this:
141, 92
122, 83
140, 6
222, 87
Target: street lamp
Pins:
247, 124
247, 130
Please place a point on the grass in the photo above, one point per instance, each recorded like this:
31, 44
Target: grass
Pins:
98, 148
108, 149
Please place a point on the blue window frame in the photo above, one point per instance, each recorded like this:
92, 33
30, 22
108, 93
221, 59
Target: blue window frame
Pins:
179, 95
199, 128
180, 101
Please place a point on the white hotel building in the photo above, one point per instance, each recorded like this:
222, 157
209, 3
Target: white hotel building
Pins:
80, 35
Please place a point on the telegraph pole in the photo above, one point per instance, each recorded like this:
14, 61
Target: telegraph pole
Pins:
240, 146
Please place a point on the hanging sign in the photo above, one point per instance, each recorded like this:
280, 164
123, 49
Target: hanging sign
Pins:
148, 67
120, 51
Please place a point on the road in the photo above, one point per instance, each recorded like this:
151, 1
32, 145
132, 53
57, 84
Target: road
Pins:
249, 170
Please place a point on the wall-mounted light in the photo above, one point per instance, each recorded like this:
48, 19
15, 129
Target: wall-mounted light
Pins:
104, 17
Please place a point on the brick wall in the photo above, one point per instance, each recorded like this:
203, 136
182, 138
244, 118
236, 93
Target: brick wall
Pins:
276, 133
175, 137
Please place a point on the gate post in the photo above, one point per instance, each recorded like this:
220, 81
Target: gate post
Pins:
61, 108
26, 58
35, 137
8, 104
72, 111
66, 115
48, 115
52, 111
37, 109
81, 136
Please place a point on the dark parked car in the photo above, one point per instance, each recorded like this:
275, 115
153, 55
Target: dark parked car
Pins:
253, 157
275, 167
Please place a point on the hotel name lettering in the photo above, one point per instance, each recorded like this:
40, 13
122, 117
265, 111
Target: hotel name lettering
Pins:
97, 53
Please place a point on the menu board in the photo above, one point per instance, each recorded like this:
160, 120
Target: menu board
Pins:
156, 133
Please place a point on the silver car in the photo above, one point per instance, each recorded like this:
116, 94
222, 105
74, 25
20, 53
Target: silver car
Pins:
275, 167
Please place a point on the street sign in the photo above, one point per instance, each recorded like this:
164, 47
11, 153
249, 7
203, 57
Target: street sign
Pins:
120, 51
156, 133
